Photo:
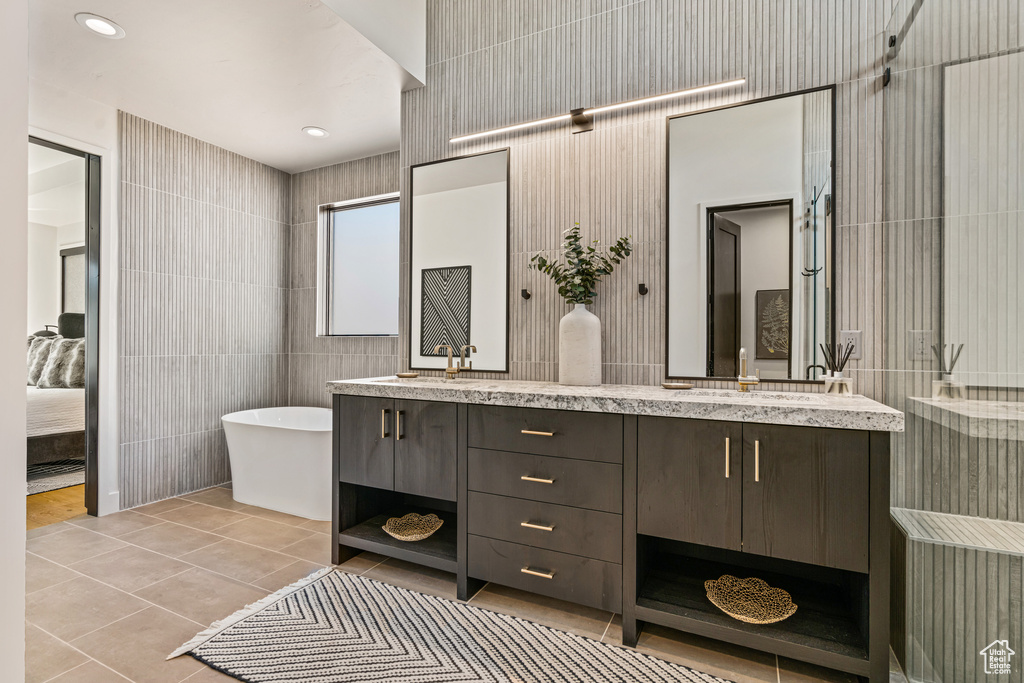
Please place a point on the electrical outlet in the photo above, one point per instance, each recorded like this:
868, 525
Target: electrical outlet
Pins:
920, 345
855, 337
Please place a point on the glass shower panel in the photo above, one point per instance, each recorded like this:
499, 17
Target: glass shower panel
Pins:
953, 140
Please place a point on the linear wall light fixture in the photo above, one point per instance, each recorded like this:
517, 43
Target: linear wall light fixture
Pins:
582, 118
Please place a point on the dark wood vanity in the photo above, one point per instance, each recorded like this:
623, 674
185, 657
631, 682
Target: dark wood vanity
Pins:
632, 513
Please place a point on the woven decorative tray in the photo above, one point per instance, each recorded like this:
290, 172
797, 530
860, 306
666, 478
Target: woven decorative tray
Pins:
750, 600
412, 527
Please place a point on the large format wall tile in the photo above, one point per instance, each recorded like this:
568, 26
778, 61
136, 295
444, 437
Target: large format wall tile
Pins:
203, 305
314, 360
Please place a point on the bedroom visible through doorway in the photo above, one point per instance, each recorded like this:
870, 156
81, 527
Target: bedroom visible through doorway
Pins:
63, 226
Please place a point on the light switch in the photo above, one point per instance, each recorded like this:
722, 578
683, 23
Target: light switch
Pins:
855, 337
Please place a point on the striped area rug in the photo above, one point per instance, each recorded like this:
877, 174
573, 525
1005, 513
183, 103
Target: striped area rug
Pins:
335, 627
59, 474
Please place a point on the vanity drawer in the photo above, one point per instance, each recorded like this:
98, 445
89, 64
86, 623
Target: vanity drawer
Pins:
561, 433
588, 533
577, 483
558, 575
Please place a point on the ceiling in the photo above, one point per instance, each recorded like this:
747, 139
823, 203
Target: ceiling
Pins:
246, 75
56, 187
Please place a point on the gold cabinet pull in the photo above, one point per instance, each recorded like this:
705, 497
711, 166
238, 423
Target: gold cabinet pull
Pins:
531, 525
537, 479
530, 431
535, 572
398, 425
383, 423
757, 460
726, 457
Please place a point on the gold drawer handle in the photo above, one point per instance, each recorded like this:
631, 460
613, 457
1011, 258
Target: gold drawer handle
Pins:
541, 574
531, 525
537, 479
530, 431
383, 422
398, 425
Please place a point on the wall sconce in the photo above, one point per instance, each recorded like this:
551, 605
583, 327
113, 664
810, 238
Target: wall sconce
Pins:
582, 119
526, 294
642, 288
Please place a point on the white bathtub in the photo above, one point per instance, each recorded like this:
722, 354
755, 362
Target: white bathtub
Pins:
281, 459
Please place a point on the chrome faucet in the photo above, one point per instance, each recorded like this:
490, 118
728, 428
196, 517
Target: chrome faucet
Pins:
451, 371
463, 363
744, 380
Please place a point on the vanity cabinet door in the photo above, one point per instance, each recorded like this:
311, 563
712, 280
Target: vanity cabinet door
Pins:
805, 495
366, 446
425, 448
689, 480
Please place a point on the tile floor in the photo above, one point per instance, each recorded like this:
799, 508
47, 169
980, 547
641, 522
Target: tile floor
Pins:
109, 598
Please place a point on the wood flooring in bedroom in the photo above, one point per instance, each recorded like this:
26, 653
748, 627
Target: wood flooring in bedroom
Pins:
51, 507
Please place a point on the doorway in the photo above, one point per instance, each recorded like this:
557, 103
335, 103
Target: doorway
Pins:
63, 332
750, 289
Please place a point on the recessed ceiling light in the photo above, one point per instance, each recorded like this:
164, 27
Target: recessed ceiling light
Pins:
315, 131
99, 25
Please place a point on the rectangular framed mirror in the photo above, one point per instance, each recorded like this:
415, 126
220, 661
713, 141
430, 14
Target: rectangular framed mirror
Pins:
460, 261
751, 259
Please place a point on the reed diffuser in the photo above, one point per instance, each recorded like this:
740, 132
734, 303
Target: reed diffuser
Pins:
947, 388
836, 358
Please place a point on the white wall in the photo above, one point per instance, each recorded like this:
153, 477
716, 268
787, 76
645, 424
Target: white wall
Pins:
730, 156
89, 126
764, 264
43, 276
13, 282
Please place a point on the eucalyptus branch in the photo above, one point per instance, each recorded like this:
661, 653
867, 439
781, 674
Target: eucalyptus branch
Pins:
584, 266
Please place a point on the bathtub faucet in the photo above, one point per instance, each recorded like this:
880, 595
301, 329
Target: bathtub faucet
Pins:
451, 371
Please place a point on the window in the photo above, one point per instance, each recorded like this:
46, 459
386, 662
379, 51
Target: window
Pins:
358, 264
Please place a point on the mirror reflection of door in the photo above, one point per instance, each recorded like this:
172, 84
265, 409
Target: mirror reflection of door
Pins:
751, 286
725, 298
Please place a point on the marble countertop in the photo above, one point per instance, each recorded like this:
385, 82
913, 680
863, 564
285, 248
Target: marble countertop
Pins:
766, 407
981, 419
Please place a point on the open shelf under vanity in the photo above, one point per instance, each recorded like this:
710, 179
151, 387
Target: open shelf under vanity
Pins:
828, 626
437, 551
364, 510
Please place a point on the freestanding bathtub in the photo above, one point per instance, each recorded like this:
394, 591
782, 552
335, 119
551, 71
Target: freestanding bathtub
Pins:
281, 459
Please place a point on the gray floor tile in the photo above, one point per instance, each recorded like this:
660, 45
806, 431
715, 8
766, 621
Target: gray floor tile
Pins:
130, 568
46, 656
137, 647
297, 570
238, 560
117, 524
170, 539
202, 596
73, 608
41, 573
72, 545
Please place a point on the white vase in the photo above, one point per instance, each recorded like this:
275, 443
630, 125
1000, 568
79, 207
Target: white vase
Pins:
579, 348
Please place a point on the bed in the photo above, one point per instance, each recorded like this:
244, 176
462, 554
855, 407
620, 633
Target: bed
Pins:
56, 417
56, 424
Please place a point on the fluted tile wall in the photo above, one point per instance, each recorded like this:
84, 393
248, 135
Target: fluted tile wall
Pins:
203, 298
315, 360
499, 63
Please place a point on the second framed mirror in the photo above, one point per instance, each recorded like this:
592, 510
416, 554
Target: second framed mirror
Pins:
750, 238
